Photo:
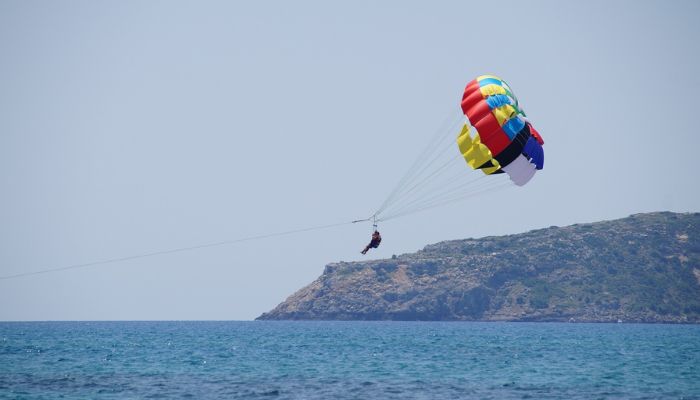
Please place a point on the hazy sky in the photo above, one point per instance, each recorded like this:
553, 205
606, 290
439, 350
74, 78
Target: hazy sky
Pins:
128, 127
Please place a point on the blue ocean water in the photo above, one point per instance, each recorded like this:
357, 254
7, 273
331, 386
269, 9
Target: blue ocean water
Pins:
348, 360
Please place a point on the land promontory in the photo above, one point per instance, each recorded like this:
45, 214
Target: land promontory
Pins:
643, 268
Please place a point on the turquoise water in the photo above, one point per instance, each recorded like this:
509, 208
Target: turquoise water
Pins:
363, 360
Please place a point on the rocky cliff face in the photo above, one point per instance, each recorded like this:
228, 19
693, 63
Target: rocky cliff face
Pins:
644, 268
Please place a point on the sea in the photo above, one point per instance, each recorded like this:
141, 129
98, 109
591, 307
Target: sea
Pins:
348, 360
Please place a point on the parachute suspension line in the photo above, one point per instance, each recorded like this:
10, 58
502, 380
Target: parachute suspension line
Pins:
485, 188
504, 185
426, 161
424, 186
429, 191
179, 250
460, 192
420, 186
424, 166
447, 126
418, 179
416, 172
441, 204
428, 196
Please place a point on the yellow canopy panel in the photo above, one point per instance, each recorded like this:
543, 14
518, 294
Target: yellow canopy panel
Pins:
477, 155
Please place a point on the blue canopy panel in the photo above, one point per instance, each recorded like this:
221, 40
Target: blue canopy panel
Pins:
535, 152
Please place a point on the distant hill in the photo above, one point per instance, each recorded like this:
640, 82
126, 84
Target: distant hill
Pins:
644, 268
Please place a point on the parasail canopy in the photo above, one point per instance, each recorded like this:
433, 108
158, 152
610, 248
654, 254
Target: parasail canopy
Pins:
503, 139
496, 138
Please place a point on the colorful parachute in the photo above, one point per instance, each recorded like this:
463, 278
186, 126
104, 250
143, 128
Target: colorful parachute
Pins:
497, 138
504, 140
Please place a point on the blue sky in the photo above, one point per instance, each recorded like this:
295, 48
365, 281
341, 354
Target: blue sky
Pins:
131, 127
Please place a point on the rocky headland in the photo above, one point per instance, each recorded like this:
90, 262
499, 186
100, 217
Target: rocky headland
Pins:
643, 268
